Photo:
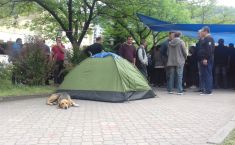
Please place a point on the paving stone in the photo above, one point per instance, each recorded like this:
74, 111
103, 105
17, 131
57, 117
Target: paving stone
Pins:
190, 119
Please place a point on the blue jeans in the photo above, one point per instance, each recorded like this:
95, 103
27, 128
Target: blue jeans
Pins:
178, 72
201, 85
207, 76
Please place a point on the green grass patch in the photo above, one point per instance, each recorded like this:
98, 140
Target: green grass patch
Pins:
230, 140
7, 89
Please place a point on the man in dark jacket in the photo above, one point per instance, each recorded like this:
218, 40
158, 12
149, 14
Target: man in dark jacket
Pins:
221, 64
206, 59
128, 51
95, 48
232, 65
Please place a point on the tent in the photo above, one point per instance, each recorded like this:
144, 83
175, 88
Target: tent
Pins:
225, 31
106, 77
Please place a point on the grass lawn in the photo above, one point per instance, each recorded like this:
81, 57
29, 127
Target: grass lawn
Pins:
7, 89
230, 140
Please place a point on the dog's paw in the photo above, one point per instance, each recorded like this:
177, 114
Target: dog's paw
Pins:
50, 104
76, 105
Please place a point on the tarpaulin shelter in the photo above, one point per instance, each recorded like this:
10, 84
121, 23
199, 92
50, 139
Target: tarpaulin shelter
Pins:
225, 31
106, 77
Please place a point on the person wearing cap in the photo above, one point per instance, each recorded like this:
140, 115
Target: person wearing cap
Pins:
206, 60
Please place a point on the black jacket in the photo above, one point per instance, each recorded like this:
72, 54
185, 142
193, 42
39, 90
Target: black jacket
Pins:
94, 49
206, 48
221, 55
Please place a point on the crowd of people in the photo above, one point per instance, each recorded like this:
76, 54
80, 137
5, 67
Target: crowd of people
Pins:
170, 64
56, 53
173, 65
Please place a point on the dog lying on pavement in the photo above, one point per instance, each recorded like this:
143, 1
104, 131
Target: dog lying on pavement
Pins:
63, 100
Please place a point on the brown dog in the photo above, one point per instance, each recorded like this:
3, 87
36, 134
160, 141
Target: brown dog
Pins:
63, 100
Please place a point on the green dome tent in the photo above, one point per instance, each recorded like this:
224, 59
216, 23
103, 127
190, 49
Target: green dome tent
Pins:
109, 79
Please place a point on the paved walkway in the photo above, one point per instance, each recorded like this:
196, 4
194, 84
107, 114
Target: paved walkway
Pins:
169, 120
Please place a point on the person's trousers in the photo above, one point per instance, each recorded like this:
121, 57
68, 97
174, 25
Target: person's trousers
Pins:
201, 85
159, 76
207, 77
178, 72
143, 70
221, 71
59, 66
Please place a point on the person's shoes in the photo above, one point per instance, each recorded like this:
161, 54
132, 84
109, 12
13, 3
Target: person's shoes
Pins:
202, 93
198, 91
209, 93
170, 93
193, 87
206, 93
180, 93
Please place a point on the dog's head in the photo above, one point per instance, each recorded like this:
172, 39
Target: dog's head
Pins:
64, 104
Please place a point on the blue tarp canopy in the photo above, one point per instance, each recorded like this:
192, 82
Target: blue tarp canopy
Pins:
224, 31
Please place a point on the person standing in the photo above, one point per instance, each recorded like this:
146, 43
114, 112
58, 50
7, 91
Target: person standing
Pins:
200, 38
95, 48
16, 49
206, 60
221, 64
46, 52
142, 59
159, 67
163, 50
177, 55
232, 65
128, 51
15, 54
58, 52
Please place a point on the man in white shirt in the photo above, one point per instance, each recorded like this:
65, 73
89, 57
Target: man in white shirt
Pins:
142, 59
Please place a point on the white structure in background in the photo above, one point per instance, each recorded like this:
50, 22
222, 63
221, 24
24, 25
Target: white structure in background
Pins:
97, 31
11, 34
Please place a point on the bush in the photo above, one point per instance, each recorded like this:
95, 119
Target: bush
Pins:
76, 56
5, 71
33, 66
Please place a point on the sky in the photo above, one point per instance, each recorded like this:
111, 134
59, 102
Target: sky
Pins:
226, 2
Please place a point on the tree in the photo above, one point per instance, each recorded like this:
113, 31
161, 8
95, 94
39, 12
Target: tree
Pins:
121, 15
72, 16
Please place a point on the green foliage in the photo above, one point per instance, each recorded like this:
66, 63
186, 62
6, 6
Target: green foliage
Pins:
76, 56
7, 89
122, 19
32, 68
5, 71
230, 140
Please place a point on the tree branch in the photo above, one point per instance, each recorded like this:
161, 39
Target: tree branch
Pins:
53, 13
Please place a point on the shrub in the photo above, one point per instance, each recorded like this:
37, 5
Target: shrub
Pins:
76, 56
33, 66
5, 71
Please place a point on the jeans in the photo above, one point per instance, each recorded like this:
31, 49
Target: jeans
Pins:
207, 76
178, 72
58, 77
201, 84
221, 70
